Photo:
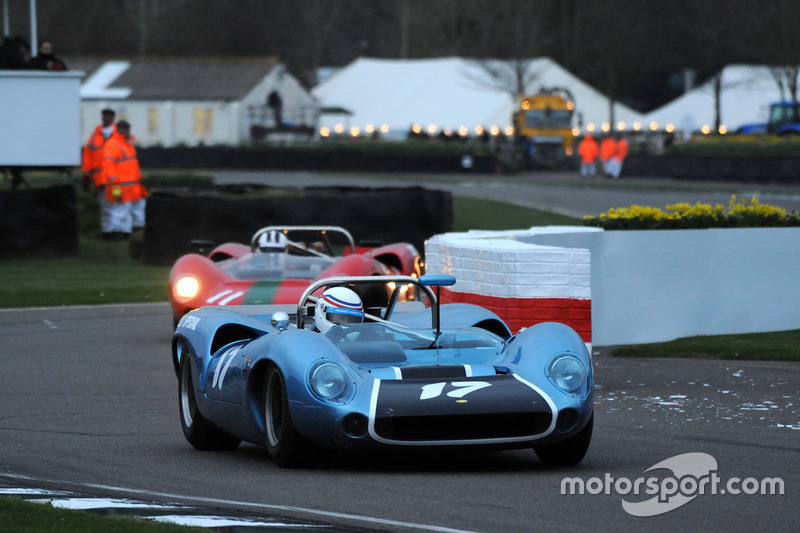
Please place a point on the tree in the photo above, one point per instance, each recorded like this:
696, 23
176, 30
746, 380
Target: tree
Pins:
786, 79
722, 38
781, 24
514, 77
511, 63
624, 48
606, 44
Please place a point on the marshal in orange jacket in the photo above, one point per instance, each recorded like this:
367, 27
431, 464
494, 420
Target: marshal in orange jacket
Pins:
607, 148
92, 157
121, 173
622, 149
588, 149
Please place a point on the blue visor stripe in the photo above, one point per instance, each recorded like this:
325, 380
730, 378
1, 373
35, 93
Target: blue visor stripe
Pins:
346, 311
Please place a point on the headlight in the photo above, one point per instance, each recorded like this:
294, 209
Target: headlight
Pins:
328, 381
568, 373
187, 287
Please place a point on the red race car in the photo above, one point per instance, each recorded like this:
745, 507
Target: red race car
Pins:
277, 266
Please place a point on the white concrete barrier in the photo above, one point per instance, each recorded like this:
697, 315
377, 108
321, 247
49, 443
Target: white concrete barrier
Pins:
523, 283
645, 286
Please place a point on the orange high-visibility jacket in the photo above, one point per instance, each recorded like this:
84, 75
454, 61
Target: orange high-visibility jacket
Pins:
622, 150
121, 172
588, 149
92, 157
607, 149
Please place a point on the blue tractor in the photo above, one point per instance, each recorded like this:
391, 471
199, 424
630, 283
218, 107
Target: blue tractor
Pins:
784, 119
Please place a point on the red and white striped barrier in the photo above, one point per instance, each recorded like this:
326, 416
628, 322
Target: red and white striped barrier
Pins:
524, 284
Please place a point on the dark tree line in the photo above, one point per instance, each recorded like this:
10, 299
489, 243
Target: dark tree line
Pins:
635, 51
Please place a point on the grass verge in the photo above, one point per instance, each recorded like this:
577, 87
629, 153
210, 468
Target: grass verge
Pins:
103, 273
22, 516
475, 213
771, 346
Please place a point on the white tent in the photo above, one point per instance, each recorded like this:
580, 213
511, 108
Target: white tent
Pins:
746, 94
445, 92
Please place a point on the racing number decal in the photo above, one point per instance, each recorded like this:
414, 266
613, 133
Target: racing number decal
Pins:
222, 367
224, 297
462, 388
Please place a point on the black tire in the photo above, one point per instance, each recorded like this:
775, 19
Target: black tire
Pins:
200, 433
286, 447
569, 452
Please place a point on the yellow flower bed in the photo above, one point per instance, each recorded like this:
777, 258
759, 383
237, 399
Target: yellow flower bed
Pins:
739, 214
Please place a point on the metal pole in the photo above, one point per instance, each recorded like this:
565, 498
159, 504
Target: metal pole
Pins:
34, 36
6, 27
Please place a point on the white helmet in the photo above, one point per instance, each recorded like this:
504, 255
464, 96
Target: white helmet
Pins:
337, 305
272, 241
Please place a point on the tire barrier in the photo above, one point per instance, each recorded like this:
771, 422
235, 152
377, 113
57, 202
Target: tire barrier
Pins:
524, 284
389, 215
355, 157
38, 223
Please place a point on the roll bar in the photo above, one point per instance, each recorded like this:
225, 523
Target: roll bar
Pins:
424, 283
322, 230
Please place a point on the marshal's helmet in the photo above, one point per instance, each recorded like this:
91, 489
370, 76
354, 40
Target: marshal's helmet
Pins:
337, 305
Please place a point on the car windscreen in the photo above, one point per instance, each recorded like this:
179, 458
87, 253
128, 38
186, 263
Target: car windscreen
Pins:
548, 118
277, 266
415, 339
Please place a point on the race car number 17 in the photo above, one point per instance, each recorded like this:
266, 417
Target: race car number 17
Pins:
461, 389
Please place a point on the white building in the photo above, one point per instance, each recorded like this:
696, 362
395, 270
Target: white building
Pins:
192, 100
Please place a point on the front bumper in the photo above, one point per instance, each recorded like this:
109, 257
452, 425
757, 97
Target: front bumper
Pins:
482, 410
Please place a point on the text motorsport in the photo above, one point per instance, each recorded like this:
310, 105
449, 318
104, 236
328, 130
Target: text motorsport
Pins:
693, 474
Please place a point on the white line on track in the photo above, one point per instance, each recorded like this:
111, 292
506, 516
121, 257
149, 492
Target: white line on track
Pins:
266, 506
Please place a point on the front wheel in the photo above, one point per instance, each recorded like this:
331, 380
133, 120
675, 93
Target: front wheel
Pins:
200, 433
569, 452
284, 444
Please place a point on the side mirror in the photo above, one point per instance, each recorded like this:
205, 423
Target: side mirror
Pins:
279, 321
437, 281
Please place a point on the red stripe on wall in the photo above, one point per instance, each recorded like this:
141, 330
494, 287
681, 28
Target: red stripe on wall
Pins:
521, 313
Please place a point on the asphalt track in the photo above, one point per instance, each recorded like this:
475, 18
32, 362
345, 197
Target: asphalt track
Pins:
561, 192
88, 402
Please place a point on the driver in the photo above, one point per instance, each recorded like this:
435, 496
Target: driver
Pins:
273, 241
337, 305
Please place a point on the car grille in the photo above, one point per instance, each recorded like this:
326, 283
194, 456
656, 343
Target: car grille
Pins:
462, 427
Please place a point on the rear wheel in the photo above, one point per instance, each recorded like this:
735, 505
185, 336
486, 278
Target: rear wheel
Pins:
569, 452
286, 447
200, 433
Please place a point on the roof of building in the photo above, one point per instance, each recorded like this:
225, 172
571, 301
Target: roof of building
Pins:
171, 78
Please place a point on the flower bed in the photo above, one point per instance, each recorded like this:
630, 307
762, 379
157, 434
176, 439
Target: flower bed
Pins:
739, 214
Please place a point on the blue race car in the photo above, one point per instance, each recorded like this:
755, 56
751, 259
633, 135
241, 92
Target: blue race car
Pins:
375, 363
